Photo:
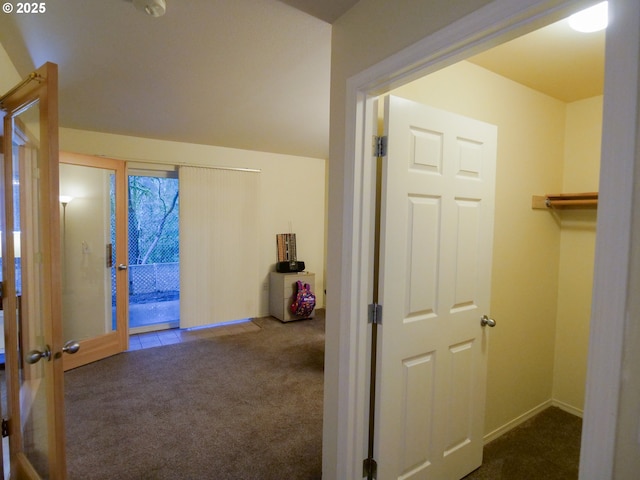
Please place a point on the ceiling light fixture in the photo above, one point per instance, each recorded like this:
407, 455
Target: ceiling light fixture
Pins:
155, 8
591, 19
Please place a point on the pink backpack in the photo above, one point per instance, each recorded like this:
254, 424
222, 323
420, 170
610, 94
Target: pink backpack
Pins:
304, 301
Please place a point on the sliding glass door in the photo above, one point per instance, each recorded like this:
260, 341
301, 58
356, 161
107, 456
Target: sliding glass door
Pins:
154, 268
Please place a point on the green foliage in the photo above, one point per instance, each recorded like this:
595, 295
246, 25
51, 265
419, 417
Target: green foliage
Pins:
153, 220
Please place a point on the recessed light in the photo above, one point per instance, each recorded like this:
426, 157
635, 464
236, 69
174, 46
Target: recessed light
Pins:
591, 19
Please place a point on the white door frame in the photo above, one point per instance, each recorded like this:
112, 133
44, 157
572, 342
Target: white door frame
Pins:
497, 22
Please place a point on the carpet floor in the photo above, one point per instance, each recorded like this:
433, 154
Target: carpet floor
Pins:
545, 447
248, 407
245, 406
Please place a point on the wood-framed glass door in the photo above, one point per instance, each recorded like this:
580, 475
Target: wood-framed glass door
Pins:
31, 277
94, 256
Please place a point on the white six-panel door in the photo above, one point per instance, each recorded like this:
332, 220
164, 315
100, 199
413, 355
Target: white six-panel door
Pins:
435, 277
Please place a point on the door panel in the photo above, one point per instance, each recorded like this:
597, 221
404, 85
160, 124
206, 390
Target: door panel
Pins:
29, 269
31, 278
434, 283
93, 245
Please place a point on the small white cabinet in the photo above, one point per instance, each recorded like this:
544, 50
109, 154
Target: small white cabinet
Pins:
282, 291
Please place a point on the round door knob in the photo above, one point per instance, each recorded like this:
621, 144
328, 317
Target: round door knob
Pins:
122, 266
487, 322
71, 347
34, 356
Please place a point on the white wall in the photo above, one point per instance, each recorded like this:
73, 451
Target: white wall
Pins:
292, 191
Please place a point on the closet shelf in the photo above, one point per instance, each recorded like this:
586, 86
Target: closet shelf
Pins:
565, 200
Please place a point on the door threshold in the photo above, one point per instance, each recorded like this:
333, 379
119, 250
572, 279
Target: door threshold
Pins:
153, 327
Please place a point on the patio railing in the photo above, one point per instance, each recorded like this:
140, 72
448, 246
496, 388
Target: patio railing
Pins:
152, 278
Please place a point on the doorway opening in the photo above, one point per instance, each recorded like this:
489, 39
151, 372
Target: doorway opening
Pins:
547, 143
576, 219
154, 251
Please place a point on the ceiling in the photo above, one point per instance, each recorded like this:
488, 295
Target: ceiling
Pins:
327, 10
554, 60
250, 74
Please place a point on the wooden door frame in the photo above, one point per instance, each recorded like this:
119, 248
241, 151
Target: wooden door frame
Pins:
497, 22
113, 342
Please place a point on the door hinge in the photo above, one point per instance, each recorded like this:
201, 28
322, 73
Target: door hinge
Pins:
369, 468
5, 428
380, 146
375, 313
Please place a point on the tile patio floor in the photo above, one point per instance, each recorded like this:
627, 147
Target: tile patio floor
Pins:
176, 335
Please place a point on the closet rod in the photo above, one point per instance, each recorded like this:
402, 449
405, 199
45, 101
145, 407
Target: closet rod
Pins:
571, 203
565, 200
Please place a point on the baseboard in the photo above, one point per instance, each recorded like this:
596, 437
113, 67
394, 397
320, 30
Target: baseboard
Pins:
516, 421
567, 408
267, 314
531, 413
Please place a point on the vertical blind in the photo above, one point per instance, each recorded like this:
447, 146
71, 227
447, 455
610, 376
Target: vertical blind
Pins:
218, 245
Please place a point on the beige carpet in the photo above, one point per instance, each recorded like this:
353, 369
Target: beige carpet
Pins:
248, 406
545, 447
245, 406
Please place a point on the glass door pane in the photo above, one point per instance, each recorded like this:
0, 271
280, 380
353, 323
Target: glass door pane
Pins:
154, 268
88, 251
93, 256
29, 281
31, 277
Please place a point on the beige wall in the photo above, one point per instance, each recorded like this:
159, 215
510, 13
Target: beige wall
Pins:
293, 188
293, 191
526, 242
577, 252
9, 76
